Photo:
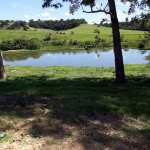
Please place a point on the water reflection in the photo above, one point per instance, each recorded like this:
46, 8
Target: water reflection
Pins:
147, 57
16, 56
97, 58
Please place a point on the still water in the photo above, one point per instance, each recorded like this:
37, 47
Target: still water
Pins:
95, 58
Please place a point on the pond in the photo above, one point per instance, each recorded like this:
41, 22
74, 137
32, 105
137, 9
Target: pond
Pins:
94, 58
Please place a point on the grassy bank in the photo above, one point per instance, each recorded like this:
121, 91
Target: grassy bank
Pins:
76, 106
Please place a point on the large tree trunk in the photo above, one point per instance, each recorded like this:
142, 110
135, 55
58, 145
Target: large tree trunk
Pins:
119, 66
2, 70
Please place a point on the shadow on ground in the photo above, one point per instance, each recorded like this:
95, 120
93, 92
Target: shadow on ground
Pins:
90, 111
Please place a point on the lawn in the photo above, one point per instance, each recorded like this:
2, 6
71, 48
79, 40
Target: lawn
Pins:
75, 107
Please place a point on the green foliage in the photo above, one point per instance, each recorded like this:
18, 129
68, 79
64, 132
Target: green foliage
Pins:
34, 44
131, 25
57, 43
57, 25
18, 25
73, 42
20, 44
4, 23
47, 37
82, 34
141, 45
97, 31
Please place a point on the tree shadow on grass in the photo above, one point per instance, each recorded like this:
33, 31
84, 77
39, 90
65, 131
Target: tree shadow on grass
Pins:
90, 110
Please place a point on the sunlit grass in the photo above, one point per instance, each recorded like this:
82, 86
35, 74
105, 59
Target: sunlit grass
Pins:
82, 33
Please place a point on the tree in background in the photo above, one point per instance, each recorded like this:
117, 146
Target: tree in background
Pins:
143, 5
110, 9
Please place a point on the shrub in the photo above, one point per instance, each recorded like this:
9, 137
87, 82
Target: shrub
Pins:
97, 31
57, 43
141, 45
70, 42
13, 44
34, 44
47, 38
75, 42
20, 44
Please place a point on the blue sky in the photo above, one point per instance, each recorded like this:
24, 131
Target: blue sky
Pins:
32, 9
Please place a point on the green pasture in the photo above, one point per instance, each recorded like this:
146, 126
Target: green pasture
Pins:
84, 32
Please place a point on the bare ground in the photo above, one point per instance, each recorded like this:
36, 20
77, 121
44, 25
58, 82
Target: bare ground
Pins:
37, 127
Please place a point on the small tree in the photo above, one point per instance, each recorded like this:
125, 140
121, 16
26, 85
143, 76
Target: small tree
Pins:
97, 31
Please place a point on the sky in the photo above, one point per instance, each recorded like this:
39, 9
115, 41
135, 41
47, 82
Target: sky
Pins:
32, 9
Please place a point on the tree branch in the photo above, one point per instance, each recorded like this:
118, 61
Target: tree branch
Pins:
96, 11
100, 10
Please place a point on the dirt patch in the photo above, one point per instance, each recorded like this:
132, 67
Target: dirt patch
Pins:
36, 123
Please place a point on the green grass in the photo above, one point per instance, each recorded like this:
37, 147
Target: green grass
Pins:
95, 86
84, 32
55, 103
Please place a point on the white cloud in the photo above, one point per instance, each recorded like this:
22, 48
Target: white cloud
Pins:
121, 15
102, 16
67, 14
119, 3
46, 14
51, 18
30, 17
26, 16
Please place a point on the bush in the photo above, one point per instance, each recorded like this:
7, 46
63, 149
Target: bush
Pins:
20, 44
13, 44
90, 44
75, 42
58, 43
97, 31
141, 45
34, 44
47, 38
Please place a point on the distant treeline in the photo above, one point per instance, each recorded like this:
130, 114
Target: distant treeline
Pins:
13, 25
132, 25
47, 24
57, 24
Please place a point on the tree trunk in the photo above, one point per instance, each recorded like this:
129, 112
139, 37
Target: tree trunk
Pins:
119, 66
2, 70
